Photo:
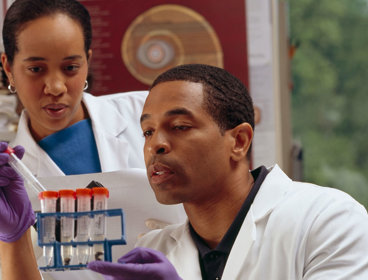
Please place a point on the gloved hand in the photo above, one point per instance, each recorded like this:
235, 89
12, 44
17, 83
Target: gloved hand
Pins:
16, 213
138, 264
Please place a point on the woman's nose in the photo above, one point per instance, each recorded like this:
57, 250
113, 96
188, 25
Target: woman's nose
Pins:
55, 85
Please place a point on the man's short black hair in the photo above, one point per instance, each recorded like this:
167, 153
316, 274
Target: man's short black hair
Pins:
226, 98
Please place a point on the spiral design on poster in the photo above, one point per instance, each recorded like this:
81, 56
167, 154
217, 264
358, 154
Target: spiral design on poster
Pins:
165, 36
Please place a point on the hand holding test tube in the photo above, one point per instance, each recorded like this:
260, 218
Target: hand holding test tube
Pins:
14, 201
29, 179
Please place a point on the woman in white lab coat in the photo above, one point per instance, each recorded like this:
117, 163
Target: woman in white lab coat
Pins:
65, 131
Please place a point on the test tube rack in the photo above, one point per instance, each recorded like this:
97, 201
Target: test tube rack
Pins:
107, 243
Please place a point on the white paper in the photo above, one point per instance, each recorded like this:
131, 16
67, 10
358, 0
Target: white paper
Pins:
129, 189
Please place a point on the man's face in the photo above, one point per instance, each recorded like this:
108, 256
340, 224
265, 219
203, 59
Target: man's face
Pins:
186, 156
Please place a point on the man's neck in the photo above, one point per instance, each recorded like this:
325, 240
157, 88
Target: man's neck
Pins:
211, 219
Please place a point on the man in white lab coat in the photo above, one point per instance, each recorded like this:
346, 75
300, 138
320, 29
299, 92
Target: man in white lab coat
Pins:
198, 127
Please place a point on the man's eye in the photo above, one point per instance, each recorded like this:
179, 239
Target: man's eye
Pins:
147, 133
181, 127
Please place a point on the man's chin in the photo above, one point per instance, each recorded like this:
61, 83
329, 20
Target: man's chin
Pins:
167, 199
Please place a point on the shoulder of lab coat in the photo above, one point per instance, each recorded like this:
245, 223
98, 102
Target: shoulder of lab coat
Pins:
115, 124
293, 230
299, 230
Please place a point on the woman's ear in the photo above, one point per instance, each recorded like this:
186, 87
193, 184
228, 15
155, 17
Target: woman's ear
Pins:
242, 138
89, 55
7, 68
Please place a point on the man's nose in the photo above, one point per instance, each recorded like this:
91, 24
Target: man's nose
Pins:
159, 144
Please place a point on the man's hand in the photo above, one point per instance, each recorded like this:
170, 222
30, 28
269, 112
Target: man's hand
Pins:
16, 214
138, 264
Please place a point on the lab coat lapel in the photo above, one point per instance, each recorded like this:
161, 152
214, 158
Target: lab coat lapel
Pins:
107, 124
184, 256
242, 245
46, 166
273, 189
36, 159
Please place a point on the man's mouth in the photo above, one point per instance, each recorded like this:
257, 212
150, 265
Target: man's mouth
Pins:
160, 173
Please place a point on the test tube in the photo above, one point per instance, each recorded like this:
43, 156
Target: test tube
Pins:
22, 170
48, 205
100, 196
83, 204
67, 204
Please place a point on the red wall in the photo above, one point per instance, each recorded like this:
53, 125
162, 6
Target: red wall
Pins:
111, 18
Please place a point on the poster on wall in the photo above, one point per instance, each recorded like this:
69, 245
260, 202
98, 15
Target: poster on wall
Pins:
134, 41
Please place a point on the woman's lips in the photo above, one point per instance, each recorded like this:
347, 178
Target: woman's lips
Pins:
55, 110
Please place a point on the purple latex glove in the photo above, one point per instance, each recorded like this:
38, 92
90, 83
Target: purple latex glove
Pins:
16, 214
138, 264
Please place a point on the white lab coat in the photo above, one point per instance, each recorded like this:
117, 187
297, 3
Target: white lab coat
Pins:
292, 231
117, 131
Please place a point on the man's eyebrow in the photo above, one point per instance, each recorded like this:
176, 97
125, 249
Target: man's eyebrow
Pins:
173, 112
36, 58
144, 117
179, 111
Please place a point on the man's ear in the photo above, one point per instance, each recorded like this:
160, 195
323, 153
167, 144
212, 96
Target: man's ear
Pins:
7, 68
242, 136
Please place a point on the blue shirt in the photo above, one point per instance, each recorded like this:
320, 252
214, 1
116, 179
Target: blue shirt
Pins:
73, 149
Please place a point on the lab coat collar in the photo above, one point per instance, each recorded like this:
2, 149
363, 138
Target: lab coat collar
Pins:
273, 189
184, 256
108, 115
34, 154
23, 132
107, 124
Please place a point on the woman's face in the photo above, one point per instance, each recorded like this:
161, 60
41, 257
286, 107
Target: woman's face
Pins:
49, 73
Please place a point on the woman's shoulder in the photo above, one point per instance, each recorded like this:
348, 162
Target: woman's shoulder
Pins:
129, 95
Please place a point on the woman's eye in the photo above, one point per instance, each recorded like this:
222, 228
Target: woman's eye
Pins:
71, 68
35, 69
